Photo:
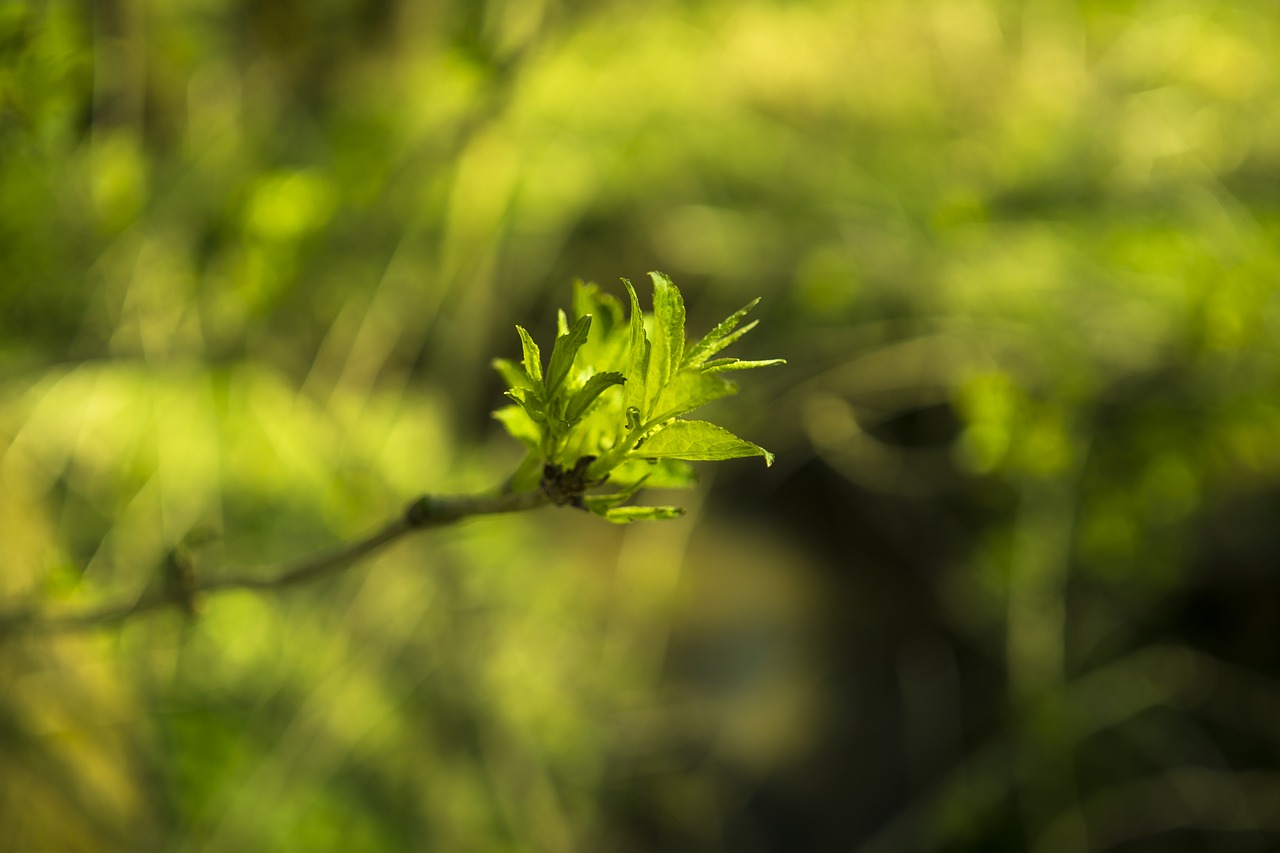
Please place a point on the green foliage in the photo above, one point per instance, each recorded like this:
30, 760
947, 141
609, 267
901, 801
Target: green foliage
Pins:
581, 433
255, 255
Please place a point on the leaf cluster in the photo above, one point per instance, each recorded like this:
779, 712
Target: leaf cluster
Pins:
608, 407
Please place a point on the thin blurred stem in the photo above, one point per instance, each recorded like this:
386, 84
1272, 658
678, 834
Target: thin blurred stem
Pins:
185, 587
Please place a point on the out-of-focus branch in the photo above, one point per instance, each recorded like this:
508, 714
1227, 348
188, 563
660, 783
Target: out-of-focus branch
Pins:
183, 587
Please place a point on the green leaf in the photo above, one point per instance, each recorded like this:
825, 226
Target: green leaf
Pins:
668, 332
586, 298
628, 514
599, 503
690, 389
529, 401
656, 473
698, 440
512, 373
532, 355
638, 362
636, 437
563, 353
719, 337
519, 425
587, 394
605, 309
721, 365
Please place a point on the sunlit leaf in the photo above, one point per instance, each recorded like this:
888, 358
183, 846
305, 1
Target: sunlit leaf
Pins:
698, 441
519, 425
668, 332
720, 337
532, 355
657, 473
587, 394
605, 310
690, 389
628, 514
599, 503
638, 362
530, 402
563, 353
637, 435
512, 374
727, 364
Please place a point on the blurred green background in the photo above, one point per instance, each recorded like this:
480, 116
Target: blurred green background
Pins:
1011, 585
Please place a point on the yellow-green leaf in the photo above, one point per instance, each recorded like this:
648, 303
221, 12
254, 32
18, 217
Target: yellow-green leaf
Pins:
698, 441
532, 355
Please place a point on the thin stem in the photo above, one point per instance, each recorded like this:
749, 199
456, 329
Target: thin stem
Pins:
426, 512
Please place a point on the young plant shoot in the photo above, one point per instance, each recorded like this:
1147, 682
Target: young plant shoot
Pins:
608, 407
605, 413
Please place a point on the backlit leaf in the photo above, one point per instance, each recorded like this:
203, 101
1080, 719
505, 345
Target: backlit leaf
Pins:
519, 425
532, 355
512, 374
587, 394
720, 337
690, 389
638, 362
657, 473
628, 514
599, 503
698, 441
722, 365
668, 332
529, 401
563, 353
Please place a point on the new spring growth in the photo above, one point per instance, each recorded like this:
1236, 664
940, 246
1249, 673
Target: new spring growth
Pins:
609, 406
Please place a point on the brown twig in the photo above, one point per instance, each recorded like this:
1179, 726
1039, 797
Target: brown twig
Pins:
182, 591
